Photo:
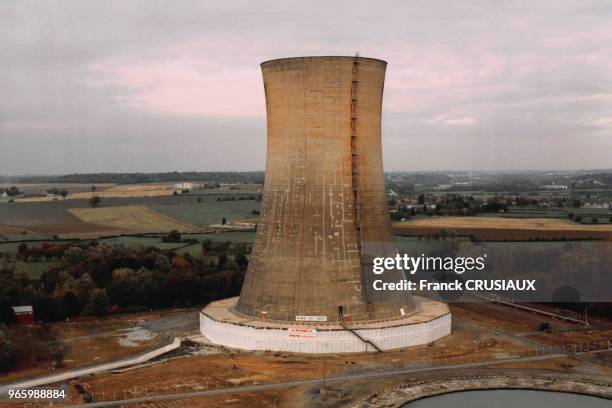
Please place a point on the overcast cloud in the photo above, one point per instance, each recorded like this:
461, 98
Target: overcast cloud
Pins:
92, 86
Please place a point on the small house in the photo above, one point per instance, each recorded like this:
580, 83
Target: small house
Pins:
24, 314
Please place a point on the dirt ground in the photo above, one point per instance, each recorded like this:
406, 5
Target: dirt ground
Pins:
481, 332
502, 317
472, 340
86, 341
14, 230
337, 394
524, 325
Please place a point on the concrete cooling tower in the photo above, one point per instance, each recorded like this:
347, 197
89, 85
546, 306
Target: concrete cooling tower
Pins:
324, 215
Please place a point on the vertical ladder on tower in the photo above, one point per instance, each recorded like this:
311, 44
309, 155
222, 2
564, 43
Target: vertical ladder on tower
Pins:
363, 263
354, 156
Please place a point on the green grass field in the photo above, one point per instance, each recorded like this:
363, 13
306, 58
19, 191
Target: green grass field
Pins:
208, 211
193, 250
36, 269
153, 241
237, 236
55, 217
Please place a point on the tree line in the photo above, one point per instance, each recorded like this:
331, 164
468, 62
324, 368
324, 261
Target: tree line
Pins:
256, 177
91, 278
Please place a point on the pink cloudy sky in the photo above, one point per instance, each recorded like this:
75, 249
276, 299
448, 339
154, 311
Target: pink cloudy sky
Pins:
159, 86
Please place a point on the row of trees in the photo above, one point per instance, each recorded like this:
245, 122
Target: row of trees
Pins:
451, 204
11, 191
56, 191
35, 253
458, 201
213, 177
578, 218
236, 197
96, 279
457, 204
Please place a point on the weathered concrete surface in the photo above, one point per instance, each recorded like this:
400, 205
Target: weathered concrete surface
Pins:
323, 196
399, 396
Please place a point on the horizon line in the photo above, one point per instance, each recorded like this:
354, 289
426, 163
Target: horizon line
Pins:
604, 169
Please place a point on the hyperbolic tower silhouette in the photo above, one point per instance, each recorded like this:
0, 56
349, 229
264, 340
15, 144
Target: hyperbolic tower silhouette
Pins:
324, 211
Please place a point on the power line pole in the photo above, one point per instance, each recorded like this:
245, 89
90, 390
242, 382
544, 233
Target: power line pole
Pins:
324, 369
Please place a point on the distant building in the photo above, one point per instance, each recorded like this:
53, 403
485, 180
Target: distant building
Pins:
588, 204
392, 193
183, 186
24, 314
555, 186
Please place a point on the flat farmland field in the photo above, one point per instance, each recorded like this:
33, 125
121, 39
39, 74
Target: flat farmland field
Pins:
72, 189
230, 236
493, 228
131, 190
602, 214
83, 191
206, 211
44, 219
149, 241
132, 217
38, 192
14, 230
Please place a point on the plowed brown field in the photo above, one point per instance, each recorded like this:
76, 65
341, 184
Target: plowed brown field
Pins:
493, 228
